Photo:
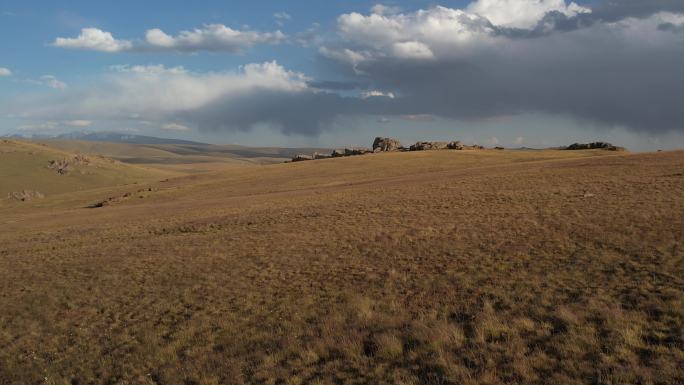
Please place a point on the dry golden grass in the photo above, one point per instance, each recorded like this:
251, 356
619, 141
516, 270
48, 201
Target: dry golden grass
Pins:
25, 166
444, 267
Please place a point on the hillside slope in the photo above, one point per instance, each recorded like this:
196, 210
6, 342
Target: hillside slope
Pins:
445, 267
170, 154
50, 171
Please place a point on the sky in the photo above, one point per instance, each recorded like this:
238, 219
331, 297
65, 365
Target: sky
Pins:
514, 73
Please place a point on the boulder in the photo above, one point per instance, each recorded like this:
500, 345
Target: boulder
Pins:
426, 146
337, 153
455, 145
594, 146
499, 148
386, 144
356, 151
301, 158
317, 155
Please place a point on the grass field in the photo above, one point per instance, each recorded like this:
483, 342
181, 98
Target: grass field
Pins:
202, 157
444, 267
26, 166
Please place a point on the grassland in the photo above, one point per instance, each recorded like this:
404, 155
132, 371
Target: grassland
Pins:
445, 267
188, 157
26, 166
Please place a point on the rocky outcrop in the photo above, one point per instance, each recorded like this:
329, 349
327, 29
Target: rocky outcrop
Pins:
381, 144
25, 195
65, 166
455, 145
474, 147
356, 151
426, 146
594, 146
337, 153
302, 157
317, 155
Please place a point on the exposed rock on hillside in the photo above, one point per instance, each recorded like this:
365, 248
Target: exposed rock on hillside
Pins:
425, 146
64, 166
61, 166
381, 144
474, 147
337, 153
302, 157
141, 193
317, 155
25, 195
356, 151
594, 146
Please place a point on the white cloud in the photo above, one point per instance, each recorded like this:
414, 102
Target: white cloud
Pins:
382, 9
282, 17
52, 82
52, 125
438, 31
412, 50
5, 72
423, 34
94, 39
157, 93
211, 37
158, 69
375, 94
37, 127
522, 13
175, 127
158, 38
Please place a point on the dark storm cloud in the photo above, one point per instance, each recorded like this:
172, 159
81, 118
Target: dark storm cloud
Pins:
671, 27
582, 68
614, 10
598, 80
305, 113
628, 74
332, 85
603, 11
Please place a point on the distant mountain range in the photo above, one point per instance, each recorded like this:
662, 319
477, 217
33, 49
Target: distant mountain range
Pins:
115, 137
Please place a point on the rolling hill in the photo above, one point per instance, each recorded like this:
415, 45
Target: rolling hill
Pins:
140, 149
435, 267
49, 170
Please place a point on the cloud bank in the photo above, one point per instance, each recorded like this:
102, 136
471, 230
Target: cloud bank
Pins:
614, 63
211, 37
491, 59
257, 93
